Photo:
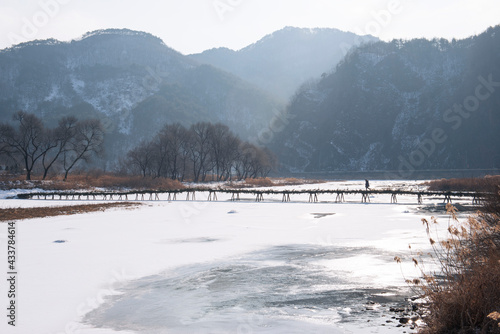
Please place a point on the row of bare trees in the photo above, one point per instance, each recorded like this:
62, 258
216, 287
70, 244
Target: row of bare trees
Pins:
29, 143
201, 152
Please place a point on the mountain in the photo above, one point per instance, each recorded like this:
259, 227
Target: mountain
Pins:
280, 62
132, 81
400, 106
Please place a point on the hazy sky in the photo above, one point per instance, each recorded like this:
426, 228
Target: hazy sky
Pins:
191, 26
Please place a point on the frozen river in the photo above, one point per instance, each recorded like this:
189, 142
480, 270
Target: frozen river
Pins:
219, 267
282, 289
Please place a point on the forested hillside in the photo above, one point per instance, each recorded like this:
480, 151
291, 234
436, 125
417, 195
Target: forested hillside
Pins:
129, 80
402, 106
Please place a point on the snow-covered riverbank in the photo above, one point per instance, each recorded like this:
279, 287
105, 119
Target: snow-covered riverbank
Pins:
216, 267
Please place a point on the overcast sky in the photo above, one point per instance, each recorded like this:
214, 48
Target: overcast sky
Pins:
191, 26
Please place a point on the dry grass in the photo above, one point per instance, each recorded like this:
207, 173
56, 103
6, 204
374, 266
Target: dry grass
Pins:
132, 182
292, 181
251, 183
485, 184
30, 213
274, 182
464, 295
90, 181
259, 182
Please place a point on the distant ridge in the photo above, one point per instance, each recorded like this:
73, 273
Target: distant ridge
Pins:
280, 62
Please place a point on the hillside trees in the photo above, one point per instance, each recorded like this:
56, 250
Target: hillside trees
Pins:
201, 151
31, 144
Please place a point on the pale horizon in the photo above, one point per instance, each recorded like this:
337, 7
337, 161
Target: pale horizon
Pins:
198, 25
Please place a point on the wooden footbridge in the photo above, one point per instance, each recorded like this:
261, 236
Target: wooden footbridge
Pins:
258, 194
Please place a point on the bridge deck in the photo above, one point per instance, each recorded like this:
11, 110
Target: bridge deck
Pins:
154, 195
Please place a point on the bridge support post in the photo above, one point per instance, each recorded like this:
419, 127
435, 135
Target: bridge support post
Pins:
313, 198
447, 198
394, 199
365, 198
193, 195
212, 196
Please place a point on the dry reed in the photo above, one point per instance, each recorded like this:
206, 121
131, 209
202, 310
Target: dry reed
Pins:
464, 294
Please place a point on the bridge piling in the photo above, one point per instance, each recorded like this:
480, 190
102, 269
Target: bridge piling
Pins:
313, 197
212, 196
365, 198
394, 198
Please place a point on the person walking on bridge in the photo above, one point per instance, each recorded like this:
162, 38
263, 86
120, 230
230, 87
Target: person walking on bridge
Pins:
367, 184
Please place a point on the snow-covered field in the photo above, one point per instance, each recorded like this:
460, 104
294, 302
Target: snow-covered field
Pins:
216, 267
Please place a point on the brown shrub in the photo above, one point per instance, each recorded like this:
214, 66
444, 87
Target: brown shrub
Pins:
134, 182
464, 305
259, 182
492, 206
488, 183
292, 181
275, 182
465, 292
94, 179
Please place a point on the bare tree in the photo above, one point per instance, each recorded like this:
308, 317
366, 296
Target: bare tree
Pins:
177, 153
6, 151
88, 140
217, 134
223, 149
142, 157
253, 161
27, 140
166, 155
160, 147
243, 163
262, 163
199, 150
56, 142
231, 146
184, 153
175, 135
